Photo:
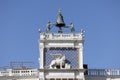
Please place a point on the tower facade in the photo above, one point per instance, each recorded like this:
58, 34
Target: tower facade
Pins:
61, 54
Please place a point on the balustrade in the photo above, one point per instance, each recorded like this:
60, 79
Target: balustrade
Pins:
34, 72
27, 72
61, 36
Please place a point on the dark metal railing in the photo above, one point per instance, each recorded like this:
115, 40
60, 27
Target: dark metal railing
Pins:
103, 72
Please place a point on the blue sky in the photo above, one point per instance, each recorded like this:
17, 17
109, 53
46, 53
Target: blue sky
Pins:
21, 19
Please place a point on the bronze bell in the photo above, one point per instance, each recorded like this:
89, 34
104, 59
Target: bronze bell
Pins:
60, 22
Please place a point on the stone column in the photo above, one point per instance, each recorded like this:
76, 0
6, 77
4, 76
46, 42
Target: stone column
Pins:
41, 55
80, 56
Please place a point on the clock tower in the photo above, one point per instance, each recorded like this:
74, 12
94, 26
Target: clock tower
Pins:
61, 54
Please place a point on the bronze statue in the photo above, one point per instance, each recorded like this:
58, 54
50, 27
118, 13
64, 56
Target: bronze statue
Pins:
72, 28
48, 27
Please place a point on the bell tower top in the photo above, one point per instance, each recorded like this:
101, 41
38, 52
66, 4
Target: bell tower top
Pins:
59, 24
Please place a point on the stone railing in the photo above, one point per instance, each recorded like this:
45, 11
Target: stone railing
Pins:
34, 72
19, 72
60, 36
